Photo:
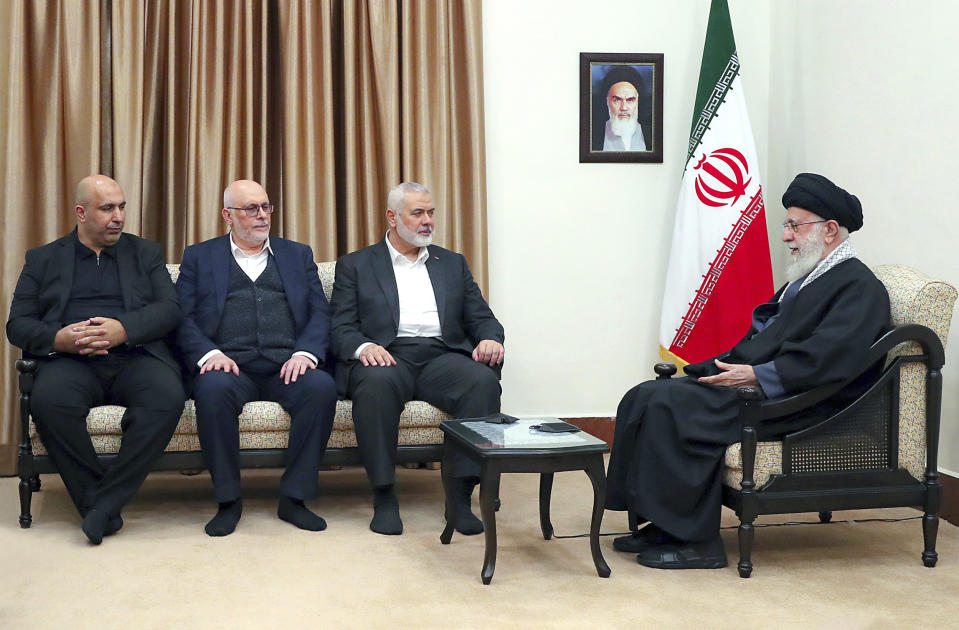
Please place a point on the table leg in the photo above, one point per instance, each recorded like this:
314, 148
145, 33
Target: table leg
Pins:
489, 493
447, 474
545, 490
596, 474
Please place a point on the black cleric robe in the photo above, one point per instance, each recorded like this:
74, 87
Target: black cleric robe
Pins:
671, 435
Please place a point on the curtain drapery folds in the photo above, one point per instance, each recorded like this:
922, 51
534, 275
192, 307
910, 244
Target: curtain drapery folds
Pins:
327, 103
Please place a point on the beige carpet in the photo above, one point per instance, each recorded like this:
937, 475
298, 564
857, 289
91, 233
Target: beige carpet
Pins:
162, 571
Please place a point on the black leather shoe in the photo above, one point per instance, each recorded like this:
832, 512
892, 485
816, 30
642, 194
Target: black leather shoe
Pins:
114, 525
708, 554
645, 538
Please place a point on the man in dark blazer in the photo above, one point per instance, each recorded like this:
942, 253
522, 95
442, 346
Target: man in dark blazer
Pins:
256, 326
94, 307
410, 323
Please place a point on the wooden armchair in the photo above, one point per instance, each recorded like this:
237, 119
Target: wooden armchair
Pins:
878, 452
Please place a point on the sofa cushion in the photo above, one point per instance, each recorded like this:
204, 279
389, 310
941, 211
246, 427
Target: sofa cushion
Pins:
262, 425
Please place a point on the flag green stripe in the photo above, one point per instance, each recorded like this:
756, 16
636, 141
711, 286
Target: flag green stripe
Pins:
720, 46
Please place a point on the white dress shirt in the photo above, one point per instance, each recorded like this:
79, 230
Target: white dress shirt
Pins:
252, 265
418, 314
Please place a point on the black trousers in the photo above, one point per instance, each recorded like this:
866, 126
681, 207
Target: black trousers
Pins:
310, 401
65, 390
425, 370
669, 449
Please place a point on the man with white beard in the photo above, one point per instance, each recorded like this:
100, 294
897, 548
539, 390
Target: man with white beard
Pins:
623, 131
671, 435
410, 323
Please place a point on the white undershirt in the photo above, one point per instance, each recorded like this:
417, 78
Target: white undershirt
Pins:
253, 265
418, 314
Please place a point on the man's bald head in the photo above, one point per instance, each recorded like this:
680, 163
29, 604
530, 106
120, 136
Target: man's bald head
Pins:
101, 212
241, 190
93, 187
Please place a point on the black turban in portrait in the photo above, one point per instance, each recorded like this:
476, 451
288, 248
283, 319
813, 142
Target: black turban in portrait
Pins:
817, 194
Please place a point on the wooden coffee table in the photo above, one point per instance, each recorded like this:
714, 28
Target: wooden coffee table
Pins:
515, 448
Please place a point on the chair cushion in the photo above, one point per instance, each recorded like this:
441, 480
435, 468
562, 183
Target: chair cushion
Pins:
914, 298
769, 461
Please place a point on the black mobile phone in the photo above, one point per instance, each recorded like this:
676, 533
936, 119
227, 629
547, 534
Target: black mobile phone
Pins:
500, 418
557, 427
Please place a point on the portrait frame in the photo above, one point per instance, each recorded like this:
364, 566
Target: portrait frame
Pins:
597, 71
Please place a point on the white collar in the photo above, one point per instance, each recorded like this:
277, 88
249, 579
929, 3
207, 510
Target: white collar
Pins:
237, 251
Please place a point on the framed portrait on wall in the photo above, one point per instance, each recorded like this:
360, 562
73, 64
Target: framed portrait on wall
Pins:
621, 107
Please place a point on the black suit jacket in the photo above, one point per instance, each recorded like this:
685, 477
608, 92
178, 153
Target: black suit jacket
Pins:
45, 283
204, 281
366, 304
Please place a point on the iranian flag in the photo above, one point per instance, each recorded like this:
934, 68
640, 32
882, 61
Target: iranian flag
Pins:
719, 266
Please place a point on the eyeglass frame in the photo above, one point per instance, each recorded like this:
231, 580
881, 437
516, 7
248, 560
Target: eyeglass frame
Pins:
257, 206
795, 226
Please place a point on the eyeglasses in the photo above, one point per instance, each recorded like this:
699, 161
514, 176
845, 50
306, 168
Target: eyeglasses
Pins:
254, 209
795, 226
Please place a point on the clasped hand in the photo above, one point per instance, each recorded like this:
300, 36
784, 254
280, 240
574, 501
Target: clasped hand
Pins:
93, 336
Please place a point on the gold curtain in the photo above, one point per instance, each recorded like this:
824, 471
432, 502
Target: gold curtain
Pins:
50, 118
327, 103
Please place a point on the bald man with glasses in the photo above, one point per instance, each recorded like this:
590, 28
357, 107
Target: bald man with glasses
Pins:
256, 327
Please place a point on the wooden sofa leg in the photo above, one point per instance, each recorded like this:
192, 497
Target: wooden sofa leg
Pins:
745, 565
26, 494
930, 527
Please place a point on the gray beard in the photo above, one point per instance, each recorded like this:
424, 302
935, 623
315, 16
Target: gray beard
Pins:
810, 254
623, 128
408, 235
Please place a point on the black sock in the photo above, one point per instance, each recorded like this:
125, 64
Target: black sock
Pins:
294, 511
94, 525
386, 512
464, 521
227, 516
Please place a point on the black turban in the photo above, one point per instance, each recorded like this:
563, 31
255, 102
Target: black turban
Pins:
629, 74
817, 194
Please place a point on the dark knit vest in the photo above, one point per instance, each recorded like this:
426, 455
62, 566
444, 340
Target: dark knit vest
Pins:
257, 328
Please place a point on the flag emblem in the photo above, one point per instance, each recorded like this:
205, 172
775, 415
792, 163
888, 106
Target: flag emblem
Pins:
720, 181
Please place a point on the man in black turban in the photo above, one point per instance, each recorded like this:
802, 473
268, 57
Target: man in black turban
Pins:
671, 435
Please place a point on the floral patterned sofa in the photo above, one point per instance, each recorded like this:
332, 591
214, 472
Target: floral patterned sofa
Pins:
264, 432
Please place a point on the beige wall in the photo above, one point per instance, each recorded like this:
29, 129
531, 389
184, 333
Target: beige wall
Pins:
860, 91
